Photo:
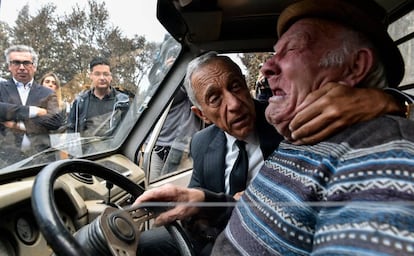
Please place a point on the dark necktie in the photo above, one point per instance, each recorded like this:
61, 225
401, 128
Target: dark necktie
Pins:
238, 175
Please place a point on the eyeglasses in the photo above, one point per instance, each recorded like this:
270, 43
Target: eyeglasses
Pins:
25, 63
98, 74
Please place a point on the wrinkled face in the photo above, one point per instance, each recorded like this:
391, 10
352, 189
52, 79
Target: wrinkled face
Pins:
50, 82
294, 70
101, 76
224, 97
23, 73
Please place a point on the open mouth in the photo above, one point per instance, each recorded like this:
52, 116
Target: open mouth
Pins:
277, 94
240, 121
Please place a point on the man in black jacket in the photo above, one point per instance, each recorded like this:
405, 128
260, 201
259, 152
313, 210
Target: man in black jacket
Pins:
98, 111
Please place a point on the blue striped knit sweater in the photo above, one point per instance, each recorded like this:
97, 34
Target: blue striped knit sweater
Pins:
367, 163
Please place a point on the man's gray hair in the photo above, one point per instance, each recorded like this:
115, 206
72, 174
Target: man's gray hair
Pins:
197, 63
351, 41
21, 48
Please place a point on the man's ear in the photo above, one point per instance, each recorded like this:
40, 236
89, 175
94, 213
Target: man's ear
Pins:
200, 114
361, 64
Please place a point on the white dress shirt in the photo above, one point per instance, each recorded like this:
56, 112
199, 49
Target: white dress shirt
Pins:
254, 154
24, 90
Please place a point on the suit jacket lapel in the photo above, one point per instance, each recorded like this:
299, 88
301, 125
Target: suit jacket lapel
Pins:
33, 98
214, 161
13, 95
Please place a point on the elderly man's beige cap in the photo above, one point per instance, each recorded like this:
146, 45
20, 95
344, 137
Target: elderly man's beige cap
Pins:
363, 15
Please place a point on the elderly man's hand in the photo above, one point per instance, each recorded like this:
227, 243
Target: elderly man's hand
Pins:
335, 106
171, 193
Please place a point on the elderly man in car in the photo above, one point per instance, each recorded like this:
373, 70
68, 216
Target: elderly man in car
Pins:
347, 193
356, 170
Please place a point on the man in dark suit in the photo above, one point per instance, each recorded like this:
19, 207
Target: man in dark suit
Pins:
209, 148
29, 111
213, 160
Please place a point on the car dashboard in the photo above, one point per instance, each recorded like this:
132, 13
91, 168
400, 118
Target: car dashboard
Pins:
80, 198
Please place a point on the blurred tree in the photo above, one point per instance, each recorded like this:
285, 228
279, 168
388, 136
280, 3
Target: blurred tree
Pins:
5, 32
253, 63
38, 32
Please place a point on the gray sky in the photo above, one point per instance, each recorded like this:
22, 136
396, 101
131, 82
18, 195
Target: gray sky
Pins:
132, 16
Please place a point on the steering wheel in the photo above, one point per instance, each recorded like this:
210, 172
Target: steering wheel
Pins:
113, 232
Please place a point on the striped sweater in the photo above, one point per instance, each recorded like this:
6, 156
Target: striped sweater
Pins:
363, 176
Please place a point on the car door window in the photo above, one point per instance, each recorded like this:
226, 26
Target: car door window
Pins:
166, 151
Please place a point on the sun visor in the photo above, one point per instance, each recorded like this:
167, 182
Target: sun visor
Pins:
203, 26
171, 19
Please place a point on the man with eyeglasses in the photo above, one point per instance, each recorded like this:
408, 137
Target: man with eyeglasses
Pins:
99, 110
28, 111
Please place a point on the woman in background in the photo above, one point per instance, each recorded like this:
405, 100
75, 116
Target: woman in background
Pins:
52, 81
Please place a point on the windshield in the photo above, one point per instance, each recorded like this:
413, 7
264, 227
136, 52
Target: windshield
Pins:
85, 53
